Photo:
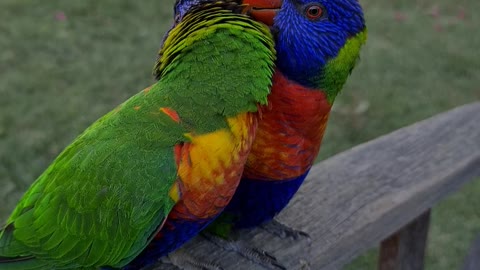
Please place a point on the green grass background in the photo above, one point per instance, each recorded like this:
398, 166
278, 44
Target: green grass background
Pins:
65, 63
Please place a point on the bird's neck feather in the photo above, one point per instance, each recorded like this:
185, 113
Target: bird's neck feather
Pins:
327, 69
296, 117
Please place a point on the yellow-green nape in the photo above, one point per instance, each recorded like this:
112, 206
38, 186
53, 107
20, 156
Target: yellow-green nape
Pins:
338, 69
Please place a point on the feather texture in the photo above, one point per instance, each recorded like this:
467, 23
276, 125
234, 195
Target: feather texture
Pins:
315, 55
149, 163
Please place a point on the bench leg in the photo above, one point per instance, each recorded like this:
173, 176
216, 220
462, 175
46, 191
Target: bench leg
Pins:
405, 249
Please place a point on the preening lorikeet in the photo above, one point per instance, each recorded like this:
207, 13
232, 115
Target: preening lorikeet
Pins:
318, 44
161, 165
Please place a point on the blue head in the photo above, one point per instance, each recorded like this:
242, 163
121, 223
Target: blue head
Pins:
183, 6
261, 10
311, 33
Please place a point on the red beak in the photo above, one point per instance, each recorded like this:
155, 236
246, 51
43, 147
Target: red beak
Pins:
263, 10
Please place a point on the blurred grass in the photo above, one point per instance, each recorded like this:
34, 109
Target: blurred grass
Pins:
65, 63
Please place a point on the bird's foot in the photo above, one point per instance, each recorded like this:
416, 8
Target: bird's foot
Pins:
283, 231
304, 265
185, 261
253, 254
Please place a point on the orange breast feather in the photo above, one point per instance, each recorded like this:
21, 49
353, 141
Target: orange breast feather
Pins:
210, 167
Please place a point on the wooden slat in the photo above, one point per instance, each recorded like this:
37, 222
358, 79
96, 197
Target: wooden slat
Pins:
355, 199
405, 249
472, 260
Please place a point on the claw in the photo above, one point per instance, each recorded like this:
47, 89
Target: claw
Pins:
253, 254
283, 231
304, 265
183, 260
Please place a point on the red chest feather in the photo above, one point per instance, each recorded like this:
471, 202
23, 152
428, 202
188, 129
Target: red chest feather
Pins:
290, 133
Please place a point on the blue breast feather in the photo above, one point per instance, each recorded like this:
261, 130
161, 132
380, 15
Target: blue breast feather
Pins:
258, 201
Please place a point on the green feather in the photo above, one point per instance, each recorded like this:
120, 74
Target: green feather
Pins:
102, 198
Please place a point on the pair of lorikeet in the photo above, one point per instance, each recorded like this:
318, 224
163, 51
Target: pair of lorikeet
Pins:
230, 130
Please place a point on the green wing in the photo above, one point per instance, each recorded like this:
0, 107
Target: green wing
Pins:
104, 196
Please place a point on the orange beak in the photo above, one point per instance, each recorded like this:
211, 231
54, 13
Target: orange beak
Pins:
263, 10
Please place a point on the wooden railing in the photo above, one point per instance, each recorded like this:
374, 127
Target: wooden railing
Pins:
380, 192
472, 260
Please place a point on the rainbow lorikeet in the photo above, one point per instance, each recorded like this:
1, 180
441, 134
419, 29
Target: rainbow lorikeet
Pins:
160, 166
318, 44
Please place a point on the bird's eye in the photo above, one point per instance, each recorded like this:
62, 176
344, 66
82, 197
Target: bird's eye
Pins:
314, 12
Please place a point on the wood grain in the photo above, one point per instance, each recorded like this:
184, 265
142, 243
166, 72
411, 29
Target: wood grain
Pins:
472, 260
357, 198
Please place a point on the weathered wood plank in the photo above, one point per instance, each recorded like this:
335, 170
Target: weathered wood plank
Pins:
355, 199
405, 249
472, 260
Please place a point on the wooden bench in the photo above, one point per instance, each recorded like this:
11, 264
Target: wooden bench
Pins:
380, 192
